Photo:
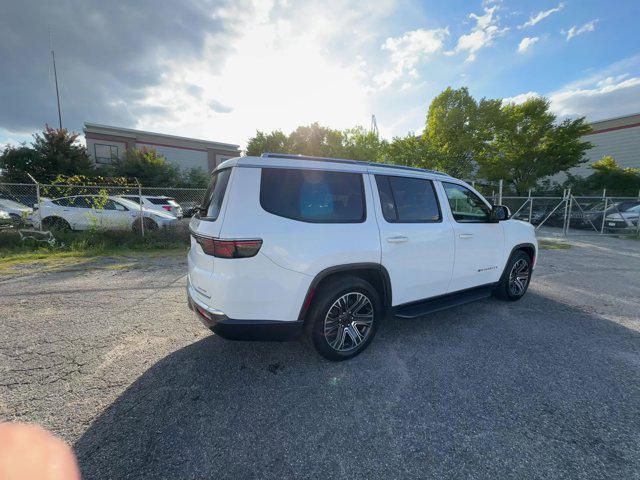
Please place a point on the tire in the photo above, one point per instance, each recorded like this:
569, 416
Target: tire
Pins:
149, 224
516, 277
56, 224
336, 330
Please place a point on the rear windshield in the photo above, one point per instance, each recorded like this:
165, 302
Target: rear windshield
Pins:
315, 196
159, 201
215, 194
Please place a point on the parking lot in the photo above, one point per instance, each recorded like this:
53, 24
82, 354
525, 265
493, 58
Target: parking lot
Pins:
107, 355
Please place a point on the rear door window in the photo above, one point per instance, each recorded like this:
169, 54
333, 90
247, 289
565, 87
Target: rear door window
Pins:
314, 196
215, 194
408, 199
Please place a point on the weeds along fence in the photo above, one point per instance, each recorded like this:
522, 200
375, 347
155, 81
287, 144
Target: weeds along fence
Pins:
100, 206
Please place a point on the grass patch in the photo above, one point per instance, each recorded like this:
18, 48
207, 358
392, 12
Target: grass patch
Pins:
547, 245
75, 248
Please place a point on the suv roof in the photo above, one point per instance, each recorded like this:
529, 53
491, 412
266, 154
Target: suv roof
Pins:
258, 161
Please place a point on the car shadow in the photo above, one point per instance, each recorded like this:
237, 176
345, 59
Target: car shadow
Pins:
532, 389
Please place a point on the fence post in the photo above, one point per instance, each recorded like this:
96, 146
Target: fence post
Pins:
566, 211
140, 216
37, 201
500, 192
530, 206
604, 214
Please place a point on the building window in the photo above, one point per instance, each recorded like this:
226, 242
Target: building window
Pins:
105, 153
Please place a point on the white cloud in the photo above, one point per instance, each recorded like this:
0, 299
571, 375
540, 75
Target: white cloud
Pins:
486, 29
604, 94
608, 98
526, 43
533, 20
518, 99
281, 74
408, 51
575, 31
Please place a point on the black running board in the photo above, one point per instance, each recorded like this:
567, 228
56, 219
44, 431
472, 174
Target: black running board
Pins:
424, 307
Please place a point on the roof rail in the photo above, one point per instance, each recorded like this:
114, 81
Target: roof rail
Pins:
349, 162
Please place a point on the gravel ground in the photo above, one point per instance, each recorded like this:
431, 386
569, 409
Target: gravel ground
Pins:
108, 356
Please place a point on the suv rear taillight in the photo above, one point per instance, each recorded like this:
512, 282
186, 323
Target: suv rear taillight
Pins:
229, 248
167, 207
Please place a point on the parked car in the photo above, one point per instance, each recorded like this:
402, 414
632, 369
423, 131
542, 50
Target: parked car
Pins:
592, 218
618, 221
17, 211
5, 219
160, 203
82, 212
286, 242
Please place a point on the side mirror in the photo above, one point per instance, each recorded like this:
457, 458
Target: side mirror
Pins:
499, 213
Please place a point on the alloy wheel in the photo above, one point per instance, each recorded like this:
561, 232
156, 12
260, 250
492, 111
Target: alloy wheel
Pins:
519, 277
348, 322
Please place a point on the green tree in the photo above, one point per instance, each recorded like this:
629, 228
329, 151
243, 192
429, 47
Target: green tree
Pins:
361, 144
148, 166
52, 152
194, 178
274, 142
528, 144
317, 141
412, 151
607, 174
458, 128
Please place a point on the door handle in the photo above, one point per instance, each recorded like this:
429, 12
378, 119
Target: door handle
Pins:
397, 239
466, 235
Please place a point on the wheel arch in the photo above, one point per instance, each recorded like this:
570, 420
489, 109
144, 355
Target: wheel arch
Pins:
52, 218
374, 273
528, 248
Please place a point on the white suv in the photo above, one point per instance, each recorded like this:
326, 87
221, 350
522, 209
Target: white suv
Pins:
285, 243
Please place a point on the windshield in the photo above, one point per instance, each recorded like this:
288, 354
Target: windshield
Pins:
6, 203
128, 203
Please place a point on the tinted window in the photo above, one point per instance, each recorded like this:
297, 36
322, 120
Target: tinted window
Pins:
215, 193
466, 206
407, 200
76, 202
133, 198
315, 196
159, 201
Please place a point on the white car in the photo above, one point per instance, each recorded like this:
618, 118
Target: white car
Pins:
160, 203
16, 210
623, 220
83, 212
286, 242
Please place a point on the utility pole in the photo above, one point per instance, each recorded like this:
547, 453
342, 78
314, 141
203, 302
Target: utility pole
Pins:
374, 126
55, 76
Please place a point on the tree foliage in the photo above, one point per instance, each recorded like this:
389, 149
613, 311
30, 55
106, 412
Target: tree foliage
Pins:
607, 174
148, 166
51, 153
319, 141
529, 144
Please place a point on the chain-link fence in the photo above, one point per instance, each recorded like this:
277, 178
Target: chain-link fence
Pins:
134, 207
578, 215
86, 207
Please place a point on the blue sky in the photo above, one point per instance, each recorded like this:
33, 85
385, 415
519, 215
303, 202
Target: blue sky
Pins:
221, 70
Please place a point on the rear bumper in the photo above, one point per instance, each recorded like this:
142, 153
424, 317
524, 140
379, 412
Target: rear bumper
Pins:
231, 329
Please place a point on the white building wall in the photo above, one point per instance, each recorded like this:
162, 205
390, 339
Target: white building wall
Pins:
180, 157
623, 145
